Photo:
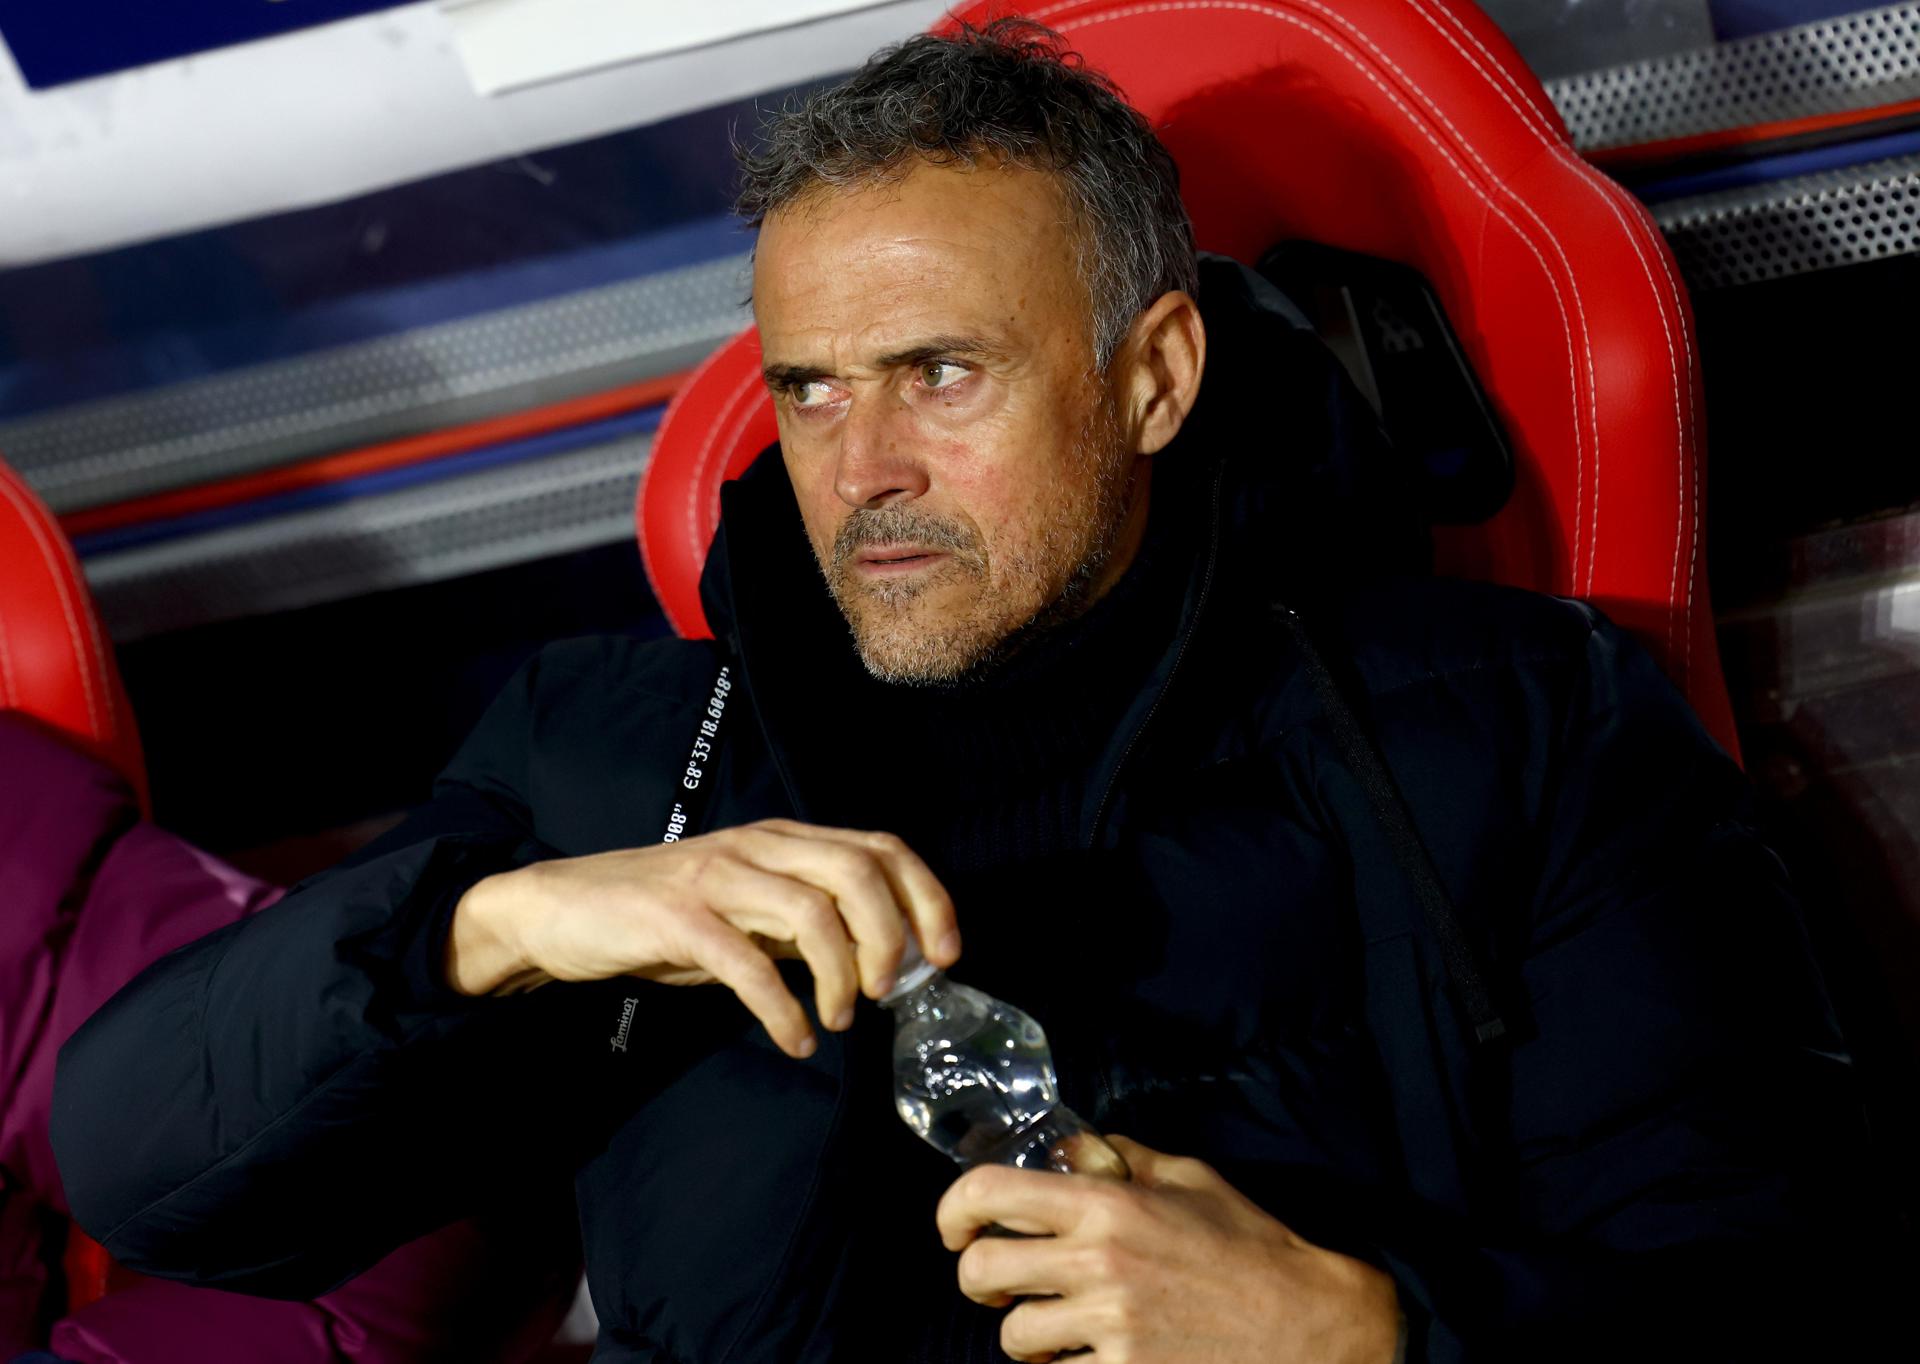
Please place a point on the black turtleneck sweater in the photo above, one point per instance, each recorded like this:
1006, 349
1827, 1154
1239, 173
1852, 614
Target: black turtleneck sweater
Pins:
994, 772
980, 780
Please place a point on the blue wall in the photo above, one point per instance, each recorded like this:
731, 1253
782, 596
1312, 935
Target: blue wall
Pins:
56, 41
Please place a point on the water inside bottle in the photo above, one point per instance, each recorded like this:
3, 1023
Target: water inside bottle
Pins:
972, 1076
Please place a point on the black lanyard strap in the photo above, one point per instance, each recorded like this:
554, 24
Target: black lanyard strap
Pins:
1363, 757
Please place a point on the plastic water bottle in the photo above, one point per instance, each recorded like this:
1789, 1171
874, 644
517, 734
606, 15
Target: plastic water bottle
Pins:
973, 1076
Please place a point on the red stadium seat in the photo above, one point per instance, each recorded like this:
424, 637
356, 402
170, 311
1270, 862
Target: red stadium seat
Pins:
56, 665
1409, 130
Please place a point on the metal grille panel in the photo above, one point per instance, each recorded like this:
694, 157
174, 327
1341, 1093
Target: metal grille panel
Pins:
425, 534
1790, 227
421, 380
1855, 62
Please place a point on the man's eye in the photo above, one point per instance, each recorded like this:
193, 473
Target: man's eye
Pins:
813, 393
941, 373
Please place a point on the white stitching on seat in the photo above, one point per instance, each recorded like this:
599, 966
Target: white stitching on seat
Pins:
699, 501
1591, 538
1613, 195
749, 391
699, 377
1262, 11
737, 420
693, 381
1689, 448
56, 563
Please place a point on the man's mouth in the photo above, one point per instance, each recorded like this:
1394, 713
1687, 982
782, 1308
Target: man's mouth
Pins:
892, 561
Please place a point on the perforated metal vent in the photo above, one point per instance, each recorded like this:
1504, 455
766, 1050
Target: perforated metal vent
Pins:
353, 395
1856, 62
1789, 227
441, 530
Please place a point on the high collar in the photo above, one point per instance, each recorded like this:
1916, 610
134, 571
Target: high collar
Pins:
1274, 467
786, 631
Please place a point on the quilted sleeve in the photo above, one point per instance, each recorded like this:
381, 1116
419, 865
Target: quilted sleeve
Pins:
275, 1106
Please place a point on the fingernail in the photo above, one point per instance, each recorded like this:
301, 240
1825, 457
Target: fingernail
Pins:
842, 1020
807, 1048
882, 986
949, 947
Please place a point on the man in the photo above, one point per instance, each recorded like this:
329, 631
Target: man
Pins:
1071, 723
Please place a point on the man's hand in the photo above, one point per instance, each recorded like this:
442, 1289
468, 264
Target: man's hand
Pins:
714, 908
1176, 1266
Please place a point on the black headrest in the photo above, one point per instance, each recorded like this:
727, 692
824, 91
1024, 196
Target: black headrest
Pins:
1313, 478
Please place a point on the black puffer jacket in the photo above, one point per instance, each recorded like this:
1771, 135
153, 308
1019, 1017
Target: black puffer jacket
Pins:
1660, 1159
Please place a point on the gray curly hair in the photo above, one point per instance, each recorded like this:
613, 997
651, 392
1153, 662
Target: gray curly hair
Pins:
1009, 91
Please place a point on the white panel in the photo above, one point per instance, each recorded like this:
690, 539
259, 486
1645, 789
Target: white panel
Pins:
330, 112
512, 43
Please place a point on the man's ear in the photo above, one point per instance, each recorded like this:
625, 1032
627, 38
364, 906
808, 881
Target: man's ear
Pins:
1160, 363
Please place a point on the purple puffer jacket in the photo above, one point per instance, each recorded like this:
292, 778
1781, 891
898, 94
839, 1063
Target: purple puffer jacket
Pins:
89, 894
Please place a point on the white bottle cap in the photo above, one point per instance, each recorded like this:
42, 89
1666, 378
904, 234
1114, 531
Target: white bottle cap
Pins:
915, 971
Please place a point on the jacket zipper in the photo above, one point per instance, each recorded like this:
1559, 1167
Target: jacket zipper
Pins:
1199, 608
739, 659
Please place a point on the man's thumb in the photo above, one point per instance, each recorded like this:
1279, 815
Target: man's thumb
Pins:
1089, 1153
1157, 1169
1146, 1164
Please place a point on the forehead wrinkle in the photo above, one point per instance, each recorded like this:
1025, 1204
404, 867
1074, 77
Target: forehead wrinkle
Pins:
928, 348
989, 211
847, 265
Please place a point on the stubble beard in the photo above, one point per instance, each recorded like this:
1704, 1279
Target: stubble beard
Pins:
1028, 592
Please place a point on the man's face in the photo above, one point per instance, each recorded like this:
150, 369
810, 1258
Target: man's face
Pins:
958, 460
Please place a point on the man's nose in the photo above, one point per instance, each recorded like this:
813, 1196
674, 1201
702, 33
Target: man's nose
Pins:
877, 462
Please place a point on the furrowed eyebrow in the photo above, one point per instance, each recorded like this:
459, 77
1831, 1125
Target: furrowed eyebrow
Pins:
779, 376
934, 348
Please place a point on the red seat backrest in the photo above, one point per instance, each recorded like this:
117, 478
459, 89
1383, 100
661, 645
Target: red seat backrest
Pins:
1411, 130
56, 664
